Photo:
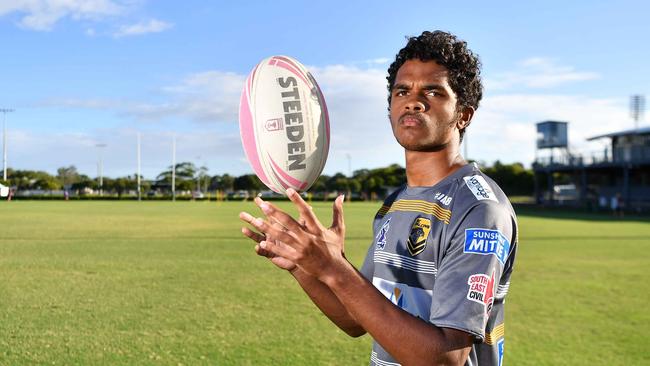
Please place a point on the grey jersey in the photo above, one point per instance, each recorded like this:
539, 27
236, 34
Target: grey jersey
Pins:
445, 254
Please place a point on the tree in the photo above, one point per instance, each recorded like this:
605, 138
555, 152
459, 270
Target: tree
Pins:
185, 174
121, 185
67, 176
513, 179
248, 182
202, 179
222, 182
83, 182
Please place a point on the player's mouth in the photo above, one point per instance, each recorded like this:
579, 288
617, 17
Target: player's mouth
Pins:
412, 120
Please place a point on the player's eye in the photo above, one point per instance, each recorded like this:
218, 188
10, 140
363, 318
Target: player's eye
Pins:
400, 93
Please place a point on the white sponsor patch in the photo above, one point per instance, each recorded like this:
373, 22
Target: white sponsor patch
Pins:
480, 188
415, 301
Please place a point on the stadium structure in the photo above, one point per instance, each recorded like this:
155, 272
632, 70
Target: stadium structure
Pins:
617, 177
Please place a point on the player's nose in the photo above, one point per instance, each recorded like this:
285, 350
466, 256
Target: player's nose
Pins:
415, 104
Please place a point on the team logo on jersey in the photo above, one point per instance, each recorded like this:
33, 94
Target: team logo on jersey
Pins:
417, 240
486, 242
481, 290
480, 188
381, 237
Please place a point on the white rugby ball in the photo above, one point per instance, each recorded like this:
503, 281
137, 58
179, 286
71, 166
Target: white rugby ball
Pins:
284, 124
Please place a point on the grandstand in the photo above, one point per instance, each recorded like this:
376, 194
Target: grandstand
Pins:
617, 177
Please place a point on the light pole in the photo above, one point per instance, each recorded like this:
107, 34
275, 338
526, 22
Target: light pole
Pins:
349, 164
100, 169
637, 107
4, 141
174, 168
139, 190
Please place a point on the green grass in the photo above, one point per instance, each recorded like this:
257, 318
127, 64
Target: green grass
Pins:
161, 283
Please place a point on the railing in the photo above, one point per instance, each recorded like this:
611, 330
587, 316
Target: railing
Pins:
633, 155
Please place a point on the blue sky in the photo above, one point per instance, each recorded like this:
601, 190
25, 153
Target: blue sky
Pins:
79, 73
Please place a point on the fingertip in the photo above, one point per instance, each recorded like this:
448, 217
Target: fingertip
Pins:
265, 207
290, 192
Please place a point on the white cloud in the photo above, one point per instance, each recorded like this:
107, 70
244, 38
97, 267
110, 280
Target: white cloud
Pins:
42, 15
211, 96
538, 72
47, 151
206, 97
151, 26
356, 100
503, 128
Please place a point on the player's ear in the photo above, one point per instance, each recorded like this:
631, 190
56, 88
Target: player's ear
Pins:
466, 114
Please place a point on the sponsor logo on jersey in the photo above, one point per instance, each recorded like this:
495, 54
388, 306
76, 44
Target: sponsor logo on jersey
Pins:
417, 240
381, 237
481, 290
487, 242
480, 188
414, 300
397, 297
443, 198
500, 350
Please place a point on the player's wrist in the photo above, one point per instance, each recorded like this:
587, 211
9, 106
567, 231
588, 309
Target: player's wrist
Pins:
334, 274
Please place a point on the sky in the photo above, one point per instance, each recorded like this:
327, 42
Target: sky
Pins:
99, 72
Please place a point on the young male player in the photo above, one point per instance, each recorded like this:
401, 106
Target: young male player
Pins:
431, 290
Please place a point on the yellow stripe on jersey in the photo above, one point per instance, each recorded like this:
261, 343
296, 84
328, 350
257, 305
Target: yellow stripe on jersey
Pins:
425, 207
382, 211
498, 332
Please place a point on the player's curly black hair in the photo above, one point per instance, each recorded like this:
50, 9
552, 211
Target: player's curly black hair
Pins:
447, 50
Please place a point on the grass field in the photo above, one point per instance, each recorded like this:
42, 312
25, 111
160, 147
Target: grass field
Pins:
161, 283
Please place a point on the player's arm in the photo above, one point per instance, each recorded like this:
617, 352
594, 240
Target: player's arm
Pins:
410, 340
328, 303
317, 291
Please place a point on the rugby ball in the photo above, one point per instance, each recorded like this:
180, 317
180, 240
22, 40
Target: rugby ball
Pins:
284, 124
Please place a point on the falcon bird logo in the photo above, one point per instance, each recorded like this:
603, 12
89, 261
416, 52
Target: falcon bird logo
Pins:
417, 240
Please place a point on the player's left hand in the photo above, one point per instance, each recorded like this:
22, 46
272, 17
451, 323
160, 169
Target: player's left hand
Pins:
307, 243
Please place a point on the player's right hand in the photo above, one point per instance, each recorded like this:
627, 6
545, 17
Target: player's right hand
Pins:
282, 263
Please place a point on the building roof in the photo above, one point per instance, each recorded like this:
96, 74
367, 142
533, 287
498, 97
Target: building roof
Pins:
637, 131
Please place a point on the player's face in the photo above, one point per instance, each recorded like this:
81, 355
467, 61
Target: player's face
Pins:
423, 107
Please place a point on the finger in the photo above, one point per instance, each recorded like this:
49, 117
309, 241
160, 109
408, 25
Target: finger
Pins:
268, 229
338, 222
263, 252
311, 221
278, 216
277, 249
257, 237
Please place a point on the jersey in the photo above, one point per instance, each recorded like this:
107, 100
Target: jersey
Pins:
445, 254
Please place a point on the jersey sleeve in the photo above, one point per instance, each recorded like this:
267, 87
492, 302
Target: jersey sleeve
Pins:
368, 267
471, 268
